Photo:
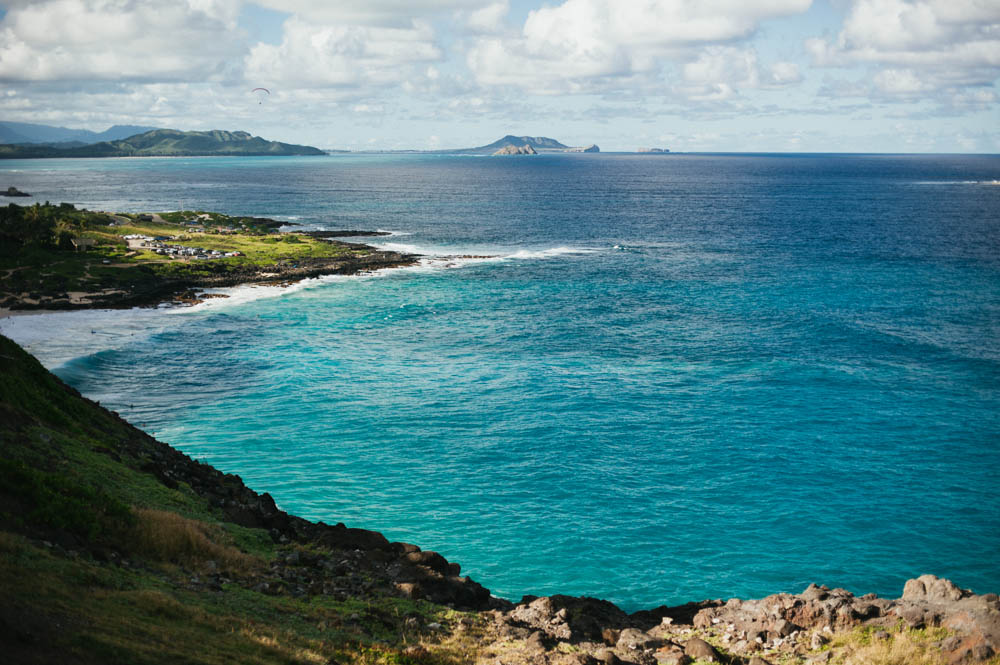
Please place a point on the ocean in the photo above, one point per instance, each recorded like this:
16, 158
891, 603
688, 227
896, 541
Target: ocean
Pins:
675, 377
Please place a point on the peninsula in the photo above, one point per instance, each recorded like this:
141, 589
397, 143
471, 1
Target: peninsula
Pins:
58, 257
165, 143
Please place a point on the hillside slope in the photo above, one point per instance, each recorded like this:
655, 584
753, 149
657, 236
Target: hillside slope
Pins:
169, 143
116, 548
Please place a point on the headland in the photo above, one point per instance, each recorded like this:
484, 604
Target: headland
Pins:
56, 257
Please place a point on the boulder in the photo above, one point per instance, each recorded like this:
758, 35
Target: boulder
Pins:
934, 589
699, 649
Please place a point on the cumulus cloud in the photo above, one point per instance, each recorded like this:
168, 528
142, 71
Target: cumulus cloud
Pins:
593, 45
917, 48
487, 20
81, 40
342, 56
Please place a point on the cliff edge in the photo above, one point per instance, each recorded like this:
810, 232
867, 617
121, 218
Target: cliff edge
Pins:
115, 547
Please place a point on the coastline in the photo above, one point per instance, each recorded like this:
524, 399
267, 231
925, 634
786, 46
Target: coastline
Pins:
183, 290
314, 563
59, 258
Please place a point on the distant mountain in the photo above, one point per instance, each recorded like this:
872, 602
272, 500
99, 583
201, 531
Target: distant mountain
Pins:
26, 132
537, 143
168, 143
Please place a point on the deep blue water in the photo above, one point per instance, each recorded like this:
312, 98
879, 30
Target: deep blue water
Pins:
686, 376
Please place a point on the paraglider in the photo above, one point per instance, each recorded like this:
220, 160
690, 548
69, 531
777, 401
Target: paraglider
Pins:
260, 92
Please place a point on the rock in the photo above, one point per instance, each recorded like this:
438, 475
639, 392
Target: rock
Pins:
913, 616
672, 655
14, 191
783, 628
699, 649
432, 560
757, 660
814, 592
410, 590
536, 641
607, 656
610, 636
636, 640
933, 588
567, 618
516, 150
817, 641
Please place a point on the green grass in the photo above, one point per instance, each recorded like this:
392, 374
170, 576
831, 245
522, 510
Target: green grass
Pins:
50, 269
71, 474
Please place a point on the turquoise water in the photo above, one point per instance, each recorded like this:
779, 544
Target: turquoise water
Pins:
680, 377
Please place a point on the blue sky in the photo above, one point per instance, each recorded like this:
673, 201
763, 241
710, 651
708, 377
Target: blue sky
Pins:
707, 75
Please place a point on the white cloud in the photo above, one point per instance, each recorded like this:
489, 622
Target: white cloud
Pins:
315, 55
488, 20
386, 13
917, 48
594, 45
85, 40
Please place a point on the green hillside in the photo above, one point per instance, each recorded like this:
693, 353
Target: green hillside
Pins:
168, 143
115, 548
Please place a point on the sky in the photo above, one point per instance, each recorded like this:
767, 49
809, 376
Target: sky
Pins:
686, 75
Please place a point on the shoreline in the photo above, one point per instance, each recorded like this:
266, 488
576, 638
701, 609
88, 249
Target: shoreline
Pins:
183, 290
60, 258
315, 560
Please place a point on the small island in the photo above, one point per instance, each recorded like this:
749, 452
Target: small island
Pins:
59, 257
14, 191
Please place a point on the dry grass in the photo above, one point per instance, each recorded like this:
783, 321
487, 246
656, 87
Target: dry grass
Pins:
169, 537
907, 647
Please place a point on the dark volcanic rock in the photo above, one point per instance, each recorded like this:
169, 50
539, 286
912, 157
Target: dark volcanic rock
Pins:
14, 191
344, 233
568, 618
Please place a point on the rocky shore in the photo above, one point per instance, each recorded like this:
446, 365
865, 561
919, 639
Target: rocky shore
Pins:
783, 628
184, 288
312, 564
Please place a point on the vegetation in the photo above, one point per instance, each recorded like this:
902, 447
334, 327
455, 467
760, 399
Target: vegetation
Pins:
43, 261
166, 143
100, 562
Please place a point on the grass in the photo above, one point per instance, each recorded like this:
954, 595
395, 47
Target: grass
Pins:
166, 536
75, 610
52, 270
72, 486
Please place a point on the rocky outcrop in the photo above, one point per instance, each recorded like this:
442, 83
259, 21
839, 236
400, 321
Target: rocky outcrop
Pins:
215, 274
14, 191
516, 150
781, 627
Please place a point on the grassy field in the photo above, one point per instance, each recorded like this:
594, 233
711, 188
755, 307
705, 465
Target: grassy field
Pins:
42, 266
